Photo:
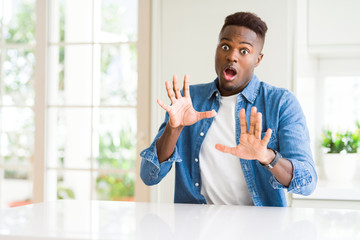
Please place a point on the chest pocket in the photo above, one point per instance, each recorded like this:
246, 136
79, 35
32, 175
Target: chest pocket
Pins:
273, 143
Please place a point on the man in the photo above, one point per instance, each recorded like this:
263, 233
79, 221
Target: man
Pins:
215, 135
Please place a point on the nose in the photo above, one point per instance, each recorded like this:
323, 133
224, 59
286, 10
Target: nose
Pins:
232, 56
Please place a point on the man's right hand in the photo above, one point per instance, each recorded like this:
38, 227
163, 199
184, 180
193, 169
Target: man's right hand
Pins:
181, 112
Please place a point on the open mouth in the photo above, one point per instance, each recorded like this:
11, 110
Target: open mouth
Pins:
229, 73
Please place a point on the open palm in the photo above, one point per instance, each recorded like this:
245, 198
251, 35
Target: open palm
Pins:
251, 145
181, 112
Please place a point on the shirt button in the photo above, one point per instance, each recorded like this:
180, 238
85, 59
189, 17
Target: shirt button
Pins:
196, 184
196, 160
202, 134
217, 94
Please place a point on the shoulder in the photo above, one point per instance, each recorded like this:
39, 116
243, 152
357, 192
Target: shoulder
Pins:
277, 94
270, 89
281, 102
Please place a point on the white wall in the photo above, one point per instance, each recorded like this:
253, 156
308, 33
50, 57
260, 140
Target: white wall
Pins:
185, 35
190, 33
335, 23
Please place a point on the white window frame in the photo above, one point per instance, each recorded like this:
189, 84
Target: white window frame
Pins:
40, 106
40, 101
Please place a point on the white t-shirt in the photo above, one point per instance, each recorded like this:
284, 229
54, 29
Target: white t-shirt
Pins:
222, 178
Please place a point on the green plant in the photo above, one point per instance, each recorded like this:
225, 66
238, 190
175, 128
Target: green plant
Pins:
65, 193
116, 152
337, 142
115, 187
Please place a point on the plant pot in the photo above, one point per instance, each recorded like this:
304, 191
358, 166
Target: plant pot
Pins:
340, 167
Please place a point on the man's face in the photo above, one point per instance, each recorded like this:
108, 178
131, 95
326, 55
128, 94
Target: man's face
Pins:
237, 54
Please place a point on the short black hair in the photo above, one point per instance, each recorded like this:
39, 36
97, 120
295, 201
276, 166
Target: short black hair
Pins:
247, 19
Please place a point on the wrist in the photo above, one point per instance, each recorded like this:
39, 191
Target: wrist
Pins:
273, 161
268, 157
174, 129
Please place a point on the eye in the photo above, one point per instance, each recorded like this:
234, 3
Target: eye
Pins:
244, 51
225, 47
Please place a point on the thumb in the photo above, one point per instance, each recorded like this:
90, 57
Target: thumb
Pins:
267, 137
207, 114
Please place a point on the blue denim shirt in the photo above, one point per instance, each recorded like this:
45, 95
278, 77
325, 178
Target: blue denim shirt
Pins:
281, 112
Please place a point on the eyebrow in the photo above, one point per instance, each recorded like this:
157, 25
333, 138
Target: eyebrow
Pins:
227, 39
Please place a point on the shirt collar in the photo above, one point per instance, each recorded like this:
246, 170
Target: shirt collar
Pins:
252, 89
213, 89
250, 92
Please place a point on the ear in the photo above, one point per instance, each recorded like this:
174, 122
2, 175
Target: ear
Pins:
260, 56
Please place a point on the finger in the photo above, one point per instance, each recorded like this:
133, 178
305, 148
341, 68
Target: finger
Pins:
258, 125
186, 88
243, 123
207, 114
176, 87
267, 137
252, 120
163, 105
170, 92
225, 149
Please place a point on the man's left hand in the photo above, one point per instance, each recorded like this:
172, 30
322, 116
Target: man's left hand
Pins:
251, 145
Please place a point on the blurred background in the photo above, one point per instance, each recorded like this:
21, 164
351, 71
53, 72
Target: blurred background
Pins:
79, 82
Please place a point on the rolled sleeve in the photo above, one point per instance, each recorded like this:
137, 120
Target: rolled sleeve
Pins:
303, 182
151, 171
294, 145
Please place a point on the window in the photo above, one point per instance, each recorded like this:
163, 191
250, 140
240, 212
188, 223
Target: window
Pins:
17, 61
341, 102
90, 109
92, 82
330, 99
327, 80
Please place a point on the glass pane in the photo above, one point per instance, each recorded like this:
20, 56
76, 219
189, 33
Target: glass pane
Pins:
70, 75
70, 21
68, 185
115, 138
16, 188
115, 187
19, 21
69, 138
118, 21
342, 112
118, 75
17, 135
18, 74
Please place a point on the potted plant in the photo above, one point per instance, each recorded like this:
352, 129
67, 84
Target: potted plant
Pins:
340, 156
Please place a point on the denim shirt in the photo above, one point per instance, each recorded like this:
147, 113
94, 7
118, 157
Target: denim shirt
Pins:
281, 112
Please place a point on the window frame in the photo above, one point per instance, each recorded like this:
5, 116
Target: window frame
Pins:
41, 108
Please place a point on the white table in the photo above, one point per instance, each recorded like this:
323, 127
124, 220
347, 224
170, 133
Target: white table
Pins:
66, 219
